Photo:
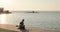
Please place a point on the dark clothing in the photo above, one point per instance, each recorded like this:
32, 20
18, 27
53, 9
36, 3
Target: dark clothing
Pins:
22, 27
21, 23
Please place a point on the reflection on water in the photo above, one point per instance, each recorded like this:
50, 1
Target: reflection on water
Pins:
3, 18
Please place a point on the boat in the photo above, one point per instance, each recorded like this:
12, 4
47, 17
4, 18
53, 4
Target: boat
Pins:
32, 12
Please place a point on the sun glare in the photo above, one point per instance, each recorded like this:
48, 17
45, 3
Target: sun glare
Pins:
3, 18
5, 1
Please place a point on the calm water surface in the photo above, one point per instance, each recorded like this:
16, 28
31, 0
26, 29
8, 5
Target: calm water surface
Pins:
42, 20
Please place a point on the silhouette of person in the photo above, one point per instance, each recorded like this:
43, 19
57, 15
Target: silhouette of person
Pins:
21, 25
22, 22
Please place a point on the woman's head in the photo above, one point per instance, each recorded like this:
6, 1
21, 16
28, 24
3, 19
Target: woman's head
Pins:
22, 19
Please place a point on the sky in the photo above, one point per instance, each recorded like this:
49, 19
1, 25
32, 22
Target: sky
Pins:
41, 5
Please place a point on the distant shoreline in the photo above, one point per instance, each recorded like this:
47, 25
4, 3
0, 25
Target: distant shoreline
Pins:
5, 12
37, 11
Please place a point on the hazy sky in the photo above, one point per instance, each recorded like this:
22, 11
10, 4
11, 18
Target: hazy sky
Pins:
43, 5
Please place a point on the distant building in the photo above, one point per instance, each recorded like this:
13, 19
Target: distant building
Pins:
6, 11
1, 9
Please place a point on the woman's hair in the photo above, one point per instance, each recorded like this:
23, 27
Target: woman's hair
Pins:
22, 19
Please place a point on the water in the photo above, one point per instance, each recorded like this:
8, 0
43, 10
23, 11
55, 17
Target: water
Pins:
49, 20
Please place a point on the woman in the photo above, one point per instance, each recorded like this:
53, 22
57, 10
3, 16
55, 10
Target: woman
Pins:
21, 25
